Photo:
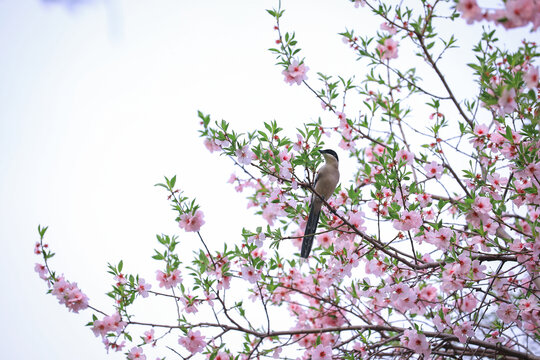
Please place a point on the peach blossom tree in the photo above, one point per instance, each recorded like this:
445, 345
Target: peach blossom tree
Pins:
431, 251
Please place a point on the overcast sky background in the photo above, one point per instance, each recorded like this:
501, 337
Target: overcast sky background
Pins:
99, 101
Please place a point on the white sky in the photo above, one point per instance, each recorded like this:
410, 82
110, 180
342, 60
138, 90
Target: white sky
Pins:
98, 103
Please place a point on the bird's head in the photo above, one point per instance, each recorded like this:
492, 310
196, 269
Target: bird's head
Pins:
329, 155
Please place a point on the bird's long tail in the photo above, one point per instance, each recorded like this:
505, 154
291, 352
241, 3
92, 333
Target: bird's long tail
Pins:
311, 228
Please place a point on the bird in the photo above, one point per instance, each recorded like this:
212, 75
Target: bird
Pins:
325, 183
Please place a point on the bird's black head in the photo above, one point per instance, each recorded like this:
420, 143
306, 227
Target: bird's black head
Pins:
330, 152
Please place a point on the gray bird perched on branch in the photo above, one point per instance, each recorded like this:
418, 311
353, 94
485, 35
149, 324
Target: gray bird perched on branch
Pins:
325, 183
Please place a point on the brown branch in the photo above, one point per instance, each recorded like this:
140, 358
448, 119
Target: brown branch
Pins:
502, 350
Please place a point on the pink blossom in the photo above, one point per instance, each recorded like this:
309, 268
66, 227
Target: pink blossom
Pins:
42, 271
271, 211
357, 220
531, 77
168, 281
222, 143
342, 118
111, 323
468, 303
429, 214
507, 313
405, 156
143, 288
451, 282
149, 336
295, 73
441, 323
298, 145
463, 264
388, 50
475, 218
433, 170
245, 155
250, 274
347, 145
325, 240
399, 291
37, 248
390, 28
463, 331
507, 101
481, 130
115, 346
424, 199
211, 145
285, 156
408, 220
482, 205
519, 12
285, 170
193, 342
406, 302
321, 352
527, 305
416, 342
222, 356
429, 293
441, 238
490, 227
190, 304
477, 270
136, 353
497, 181
469, 10
232, 179
120, 279
359, 2
190, 222
258, 239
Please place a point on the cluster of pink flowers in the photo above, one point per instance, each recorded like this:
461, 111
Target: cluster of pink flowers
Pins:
295, 73
216, 144
245, 155
417, 342
516, 13
136, 353
70, 295
463, 331
507, 101
321, 352
109, 324
190, 304
37, 248
408, 220
42, 271
222, 356
405, 156
251, 274
357, 219
193, 342
168, 280
388, 50
192, 222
